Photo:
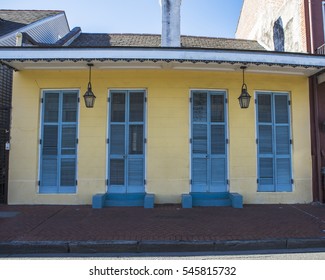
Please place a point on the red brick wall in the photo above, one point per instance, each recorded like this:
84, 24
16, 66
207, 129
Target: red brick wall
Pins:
317, 22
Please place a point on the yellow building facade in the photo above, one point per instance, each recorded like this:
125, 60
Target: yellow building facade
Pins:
168, 166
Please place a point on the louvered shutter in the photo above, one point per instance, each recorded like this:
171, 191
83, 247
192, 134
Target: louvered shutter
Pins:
59, 142
282, 143
49, 161
135, 172
68, 141
199, 142
117, 168
49, 176
126, 141
135, 158
209, 145
199, 174
265, 142
218, 150
117, 136
274, 149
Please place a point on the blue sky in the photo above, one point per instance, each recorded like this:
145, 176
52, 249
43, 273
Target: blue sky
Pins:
215, 18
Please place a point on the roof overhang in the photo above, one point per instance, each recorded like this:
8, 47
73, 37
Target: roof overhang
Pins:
61, 58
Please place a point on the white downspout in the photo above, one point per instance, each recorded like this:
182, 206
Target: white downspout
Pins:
19, 39
311, 28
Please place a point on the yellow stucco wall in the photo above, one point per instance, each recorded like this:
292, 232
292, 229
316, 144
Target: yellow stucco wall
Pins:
168, 154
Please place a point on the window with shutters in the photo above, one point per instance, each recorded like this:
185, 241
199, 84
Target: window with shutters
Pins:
273, 142
126, 141
209, 141
58, 143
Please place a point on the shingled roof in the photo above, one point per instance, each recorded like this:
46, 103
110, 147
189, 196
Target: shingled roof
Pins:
12, 20
151, 40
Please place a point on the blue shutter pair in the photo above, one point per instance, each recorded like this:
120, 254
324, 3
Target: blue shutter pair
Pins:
273, 142
58, 143
209, 141
126, 142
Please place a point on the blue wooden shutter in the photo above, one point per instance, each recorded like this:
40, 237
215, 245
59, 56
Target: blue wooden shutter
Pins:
126, 141
265, 142
274, 148
218, 145
68, 142
135, 172
59, 142
50, 143
117, 140
199, 141
282, 143
117, 168
209, 145
135, 158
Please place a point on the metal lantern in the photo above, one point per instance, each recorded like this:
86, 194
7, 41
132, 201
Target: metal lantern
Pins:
89, 96
244, 97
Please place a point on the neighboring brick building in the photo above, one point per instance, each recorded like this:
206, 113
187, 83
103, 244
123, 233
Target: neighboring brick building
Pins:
294, 26
263, 20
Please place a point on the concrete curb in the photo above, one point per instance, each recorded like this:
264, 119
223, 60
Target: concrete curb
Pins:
39, 247
82, 247
175, 246
305, 243
116, 246
250, 245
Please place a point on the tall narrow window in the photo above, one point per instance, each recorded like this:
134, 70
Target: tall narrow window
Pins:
278, 35
209, 141
126, 143
274, 142
58, 155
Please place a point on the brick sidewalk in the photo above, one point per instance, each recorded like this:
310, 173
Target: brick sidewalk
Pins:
168, 223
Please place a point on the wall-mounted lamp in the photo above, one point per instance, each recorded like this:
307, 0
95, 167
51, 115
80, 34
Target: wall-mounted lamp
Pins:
89, 96
244, 97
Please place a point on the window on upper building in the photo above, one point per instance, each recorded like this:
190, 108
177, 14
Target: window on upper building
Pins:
278, 35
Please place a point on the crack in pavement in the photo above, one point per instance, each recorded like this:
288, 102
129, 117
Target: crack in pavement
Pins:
41, 223
319, 220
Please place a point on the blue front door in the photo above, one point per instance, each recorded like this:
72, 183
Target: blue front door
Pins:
126, 141
209, 141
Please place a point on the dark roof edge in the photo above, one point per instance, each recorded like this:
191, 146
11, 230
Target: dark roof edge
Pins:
73, 34
31, 10
182, 36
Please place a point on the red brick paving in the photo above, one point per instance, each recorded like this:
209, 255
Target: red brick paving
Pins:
170, 223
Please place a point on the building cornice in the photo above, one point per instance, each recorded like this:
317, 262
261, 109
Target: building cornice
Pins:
203, 59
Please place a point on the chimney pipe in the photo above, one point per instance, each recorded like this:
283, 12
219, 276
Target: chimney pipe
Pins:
171, 23
19, 39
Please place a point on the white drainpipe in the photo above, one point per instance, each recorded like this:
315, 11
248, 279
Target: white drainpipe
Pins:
19, 39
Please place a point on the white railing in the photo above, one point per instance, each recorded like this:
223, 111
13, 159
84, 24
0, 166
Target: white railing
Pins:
321, 50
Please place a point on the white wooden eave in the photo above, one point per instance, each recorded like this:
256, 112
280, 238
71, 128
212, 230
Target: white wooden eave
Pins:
30, 58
